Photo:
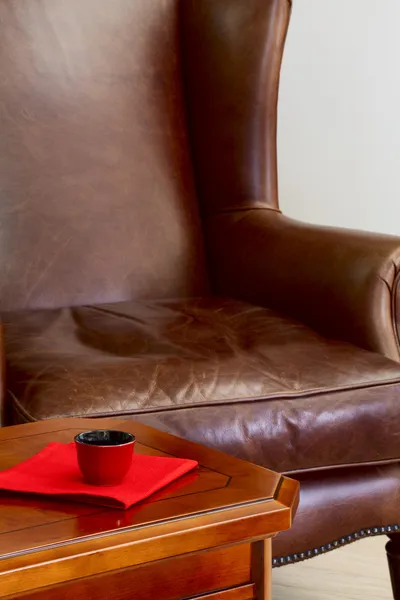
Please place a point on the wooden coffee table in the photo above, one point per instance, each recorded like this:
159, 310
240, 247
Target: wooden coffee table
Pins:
208, 534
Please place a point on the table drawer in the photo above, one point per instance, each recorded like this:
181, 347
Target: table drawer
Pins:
187, 576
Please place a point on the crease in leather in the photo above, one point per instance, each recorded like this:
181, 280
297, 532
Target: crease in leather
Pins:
240, 209
394, 304
392, 288
22, 414
235, 401
310, 392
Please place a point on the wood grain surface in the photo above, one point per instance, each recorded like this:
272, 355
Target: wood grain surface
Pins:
56, 543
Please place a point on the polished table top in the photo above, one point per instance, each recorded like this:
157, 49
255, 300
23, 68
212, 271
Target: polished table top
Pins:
224, 501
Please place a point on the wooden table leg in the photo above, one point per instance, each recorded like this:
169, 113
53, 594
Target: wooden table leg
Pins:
261, 568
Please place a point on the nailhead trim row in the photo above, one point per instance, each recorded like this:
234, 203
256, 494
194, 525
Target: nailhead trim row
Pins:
295, 558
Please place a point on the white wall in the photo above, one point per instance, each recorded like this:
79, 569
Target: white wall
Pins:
339, 119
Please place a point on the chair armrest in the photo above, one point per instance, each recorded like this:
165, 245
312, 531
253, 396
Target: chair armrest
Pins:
342, 283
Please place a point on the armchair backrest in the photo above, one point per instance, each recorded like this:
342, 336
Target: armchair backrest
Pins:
116, 117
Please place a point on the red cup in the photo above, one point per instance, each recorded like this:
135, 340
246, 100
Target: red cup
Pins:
104, 455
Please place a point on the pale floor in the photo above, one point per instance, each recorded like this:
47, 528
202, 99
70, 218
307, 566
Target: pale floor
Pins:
357, 572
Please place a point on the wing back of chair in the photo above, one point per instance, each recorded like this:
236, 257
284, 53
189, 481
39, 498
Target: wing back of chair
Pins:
233, 54
97, 196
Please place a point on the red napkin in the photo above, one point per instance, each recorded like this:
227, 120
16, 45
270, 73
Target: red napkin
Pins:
54, 471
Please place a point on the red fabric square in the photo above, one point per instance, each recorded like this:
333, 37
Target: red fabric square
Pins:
54, 471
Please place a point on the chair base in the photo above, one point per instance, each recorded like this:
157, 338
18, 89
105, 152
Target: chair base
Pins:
343, 541
393, 554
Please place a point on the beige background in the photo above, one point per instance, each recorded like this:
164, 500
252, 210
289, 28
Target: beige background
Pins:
339, 126
356, 572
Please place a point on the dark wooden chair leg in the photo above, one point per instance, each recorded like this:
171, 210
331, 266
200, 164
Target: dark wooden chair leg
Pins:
393, 554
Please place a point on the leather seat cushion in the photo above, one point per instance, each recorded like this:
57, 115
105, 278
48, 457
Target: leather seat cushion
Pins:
233, 376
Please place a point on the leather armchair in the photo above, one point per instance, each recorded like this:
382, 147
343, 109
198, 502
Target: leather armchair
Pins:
147, 272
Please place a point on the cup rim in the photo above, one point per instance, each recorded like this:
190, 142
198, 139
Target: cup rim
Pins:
132, 438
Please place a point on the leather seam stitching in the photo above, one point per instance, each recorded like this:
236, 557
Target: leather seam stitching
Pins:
288, 395
240, 209
290, 473
333, 467
30, 419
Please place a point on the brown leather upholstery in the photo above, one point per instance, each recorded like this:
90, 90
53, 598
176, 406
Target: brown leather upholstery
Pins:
343, 283
227, 374
343, 504
97, 193
138, 185
232, 57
